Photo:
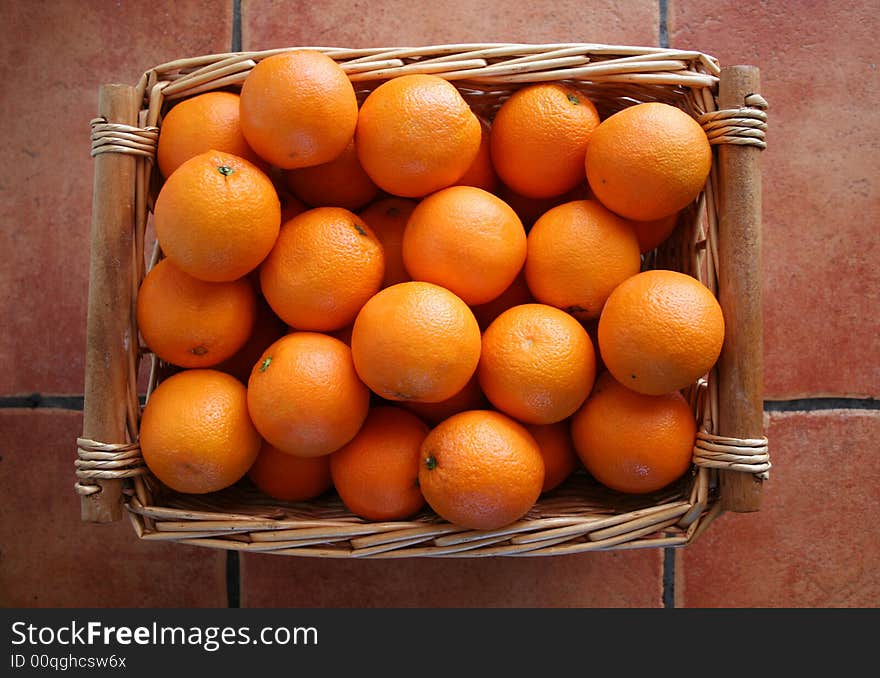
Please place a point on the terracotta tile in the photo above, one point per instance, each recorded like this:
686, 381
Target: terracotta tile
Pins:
52, 559
822, 285
620, 579
814, 541
270, 23
57, 55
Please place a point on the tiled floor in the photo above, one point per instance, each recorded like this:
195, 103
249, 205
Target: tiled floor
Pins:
821, 195
812, 544
50, 558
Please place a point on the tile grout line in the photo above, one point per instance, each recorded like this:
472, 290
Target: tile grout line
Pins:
668, 578
233, 579
668, 570
36, 401
818, 404
233, 560
236, 26
663, 29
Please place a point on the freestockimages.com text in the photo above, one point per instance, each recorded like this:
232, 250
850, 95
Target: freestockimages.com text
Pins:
210, 638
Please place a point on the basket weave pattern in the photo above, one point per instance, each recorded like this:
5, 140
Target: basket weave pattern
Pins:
580, 515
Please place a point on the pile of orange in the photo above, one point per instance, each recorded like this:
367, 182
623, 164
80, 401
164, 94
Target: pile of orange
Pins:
418, 307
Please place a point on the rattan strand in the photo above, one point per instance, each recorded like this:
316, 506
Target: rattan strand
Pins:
741, 126
117, 138
427, 537
745, 125
750, 455
577, 517
105, 461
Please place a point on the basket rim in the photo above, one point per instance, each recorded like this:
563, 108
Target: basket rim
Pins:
486, 63
682, 521
433, 48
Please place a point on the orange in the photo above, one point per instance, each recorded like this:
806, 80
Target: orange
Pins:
648, 161
650, 234
195, 433
304, 395
190, 322
298, 109
387, 217
539, 139
557, 450
481, 173
517, 293
416, 134
578, 252
377, 473
537, 364
268, 328
632, 442
217, 216
289, 478
466, 240
341, 182
481, 470
324, 266
202, 123
415, 341
660, 331
469, 398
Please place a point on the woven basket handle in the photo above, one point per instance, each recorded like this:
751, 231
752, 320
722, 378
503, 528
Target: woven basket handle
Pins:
740, 366
109, 304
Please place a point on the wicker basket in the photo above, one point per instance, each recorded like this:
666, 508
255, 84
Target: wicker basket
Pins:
717, 241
